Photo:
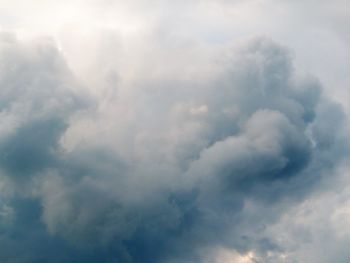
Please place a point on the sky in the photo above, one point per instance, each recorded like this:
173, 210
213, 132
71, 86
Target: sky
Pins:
198, 131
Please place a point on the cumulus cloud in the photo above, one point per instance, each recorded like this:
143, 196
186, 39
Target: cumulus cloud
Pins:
163, 147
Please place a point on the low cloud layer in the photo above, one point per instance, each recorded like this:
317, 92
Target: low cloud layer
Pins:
158, 147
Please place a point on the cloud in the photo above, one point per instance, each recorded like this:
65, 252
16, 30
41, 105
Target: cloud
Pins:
36, 104
165, 146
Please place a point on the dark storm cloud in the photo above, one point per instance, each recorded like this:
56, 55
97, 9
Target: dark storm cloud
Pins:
206, 167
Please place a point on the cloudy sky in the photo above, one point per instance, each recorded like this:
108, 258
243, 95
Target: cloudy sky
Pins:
158, 131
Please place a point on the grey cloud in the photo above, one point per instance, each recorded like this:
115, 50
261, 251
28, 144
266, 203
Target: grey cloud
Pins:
37, 101
172, 165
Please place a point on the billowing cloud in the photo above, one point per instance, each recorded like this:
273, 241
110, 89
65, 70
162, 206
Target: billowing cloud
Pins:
143, 144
